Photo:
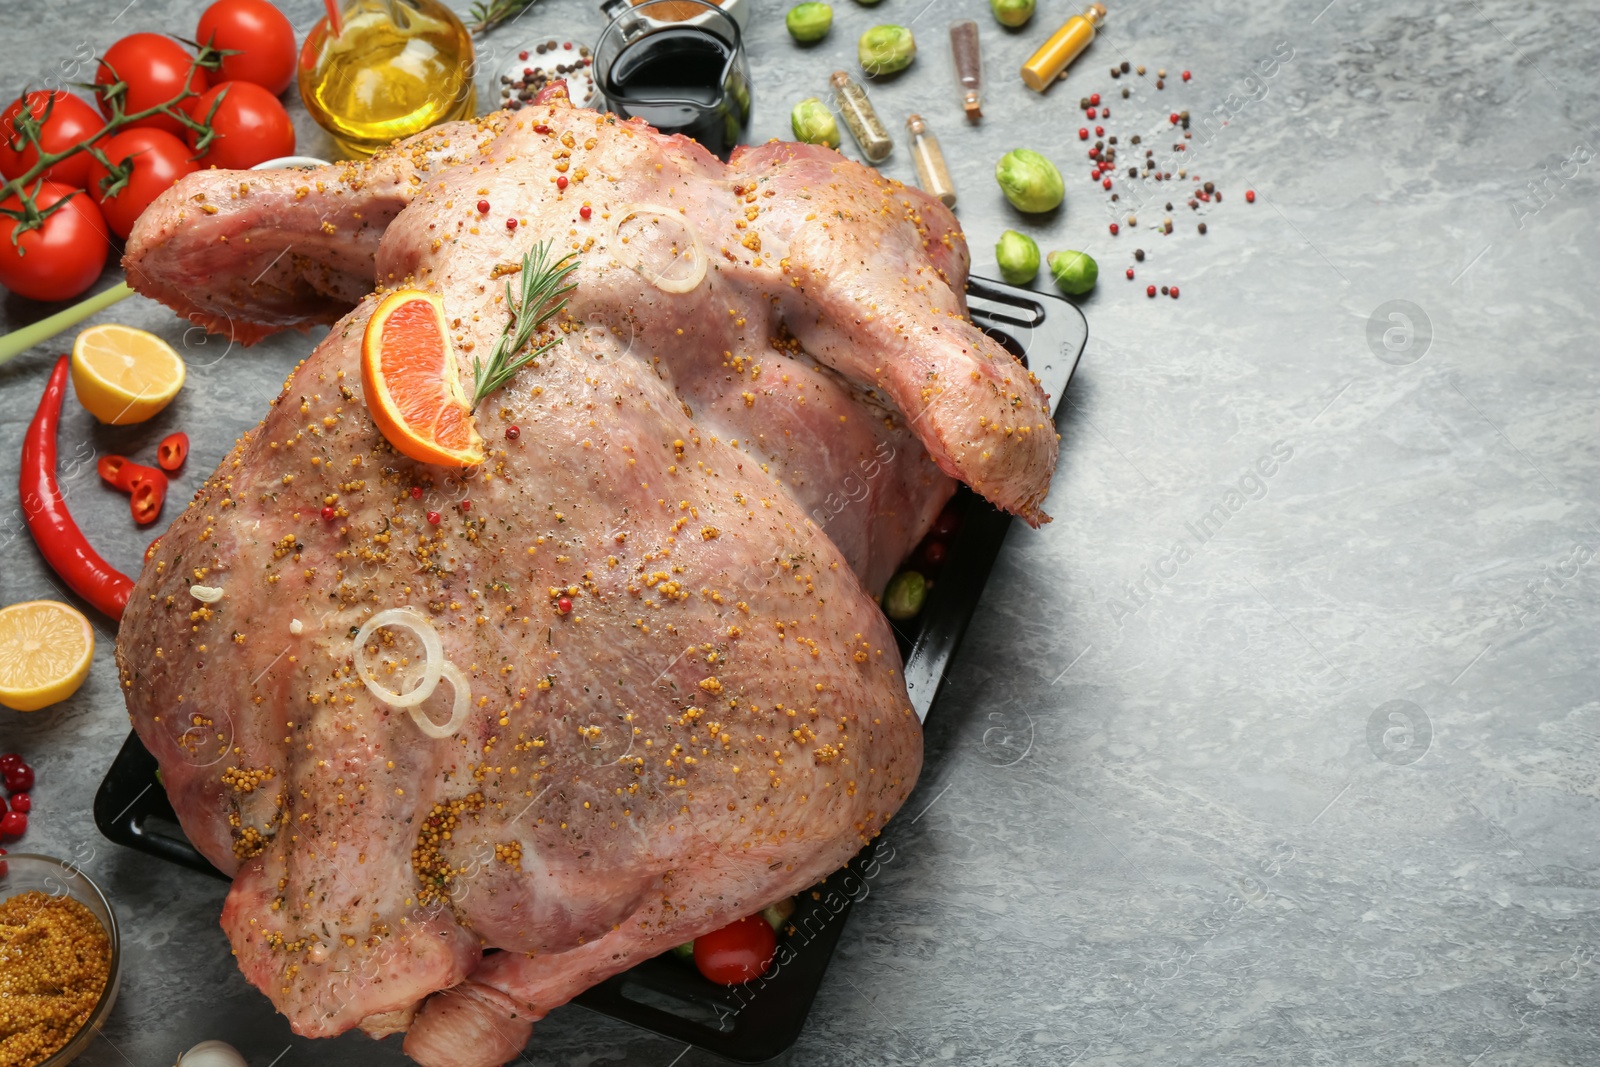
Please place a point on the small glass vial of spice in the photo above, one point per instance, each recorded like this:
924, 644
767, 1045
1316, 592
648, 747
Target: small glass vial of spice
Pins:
863, 121
1046, 65
932, 174
969, 66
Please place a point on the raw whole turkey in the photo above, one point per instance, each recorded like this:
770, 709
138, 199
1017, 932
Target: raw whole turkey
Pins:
649, 616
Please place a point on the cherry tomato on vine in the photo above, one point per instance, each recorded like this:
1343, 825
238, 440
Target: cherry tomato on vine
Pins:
259, 34
736, 953
71, 120
154, 70
250, 125
59, 259
159, 159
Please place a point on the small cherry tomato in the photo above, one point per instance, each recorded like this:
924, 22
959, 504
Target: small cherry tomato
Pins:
147, 496
260, 37
22, 802
736, 953
147, 69
172, 451
60, 258
9, 762
70, 121
249, 126
157, 160
13, 824
19, 779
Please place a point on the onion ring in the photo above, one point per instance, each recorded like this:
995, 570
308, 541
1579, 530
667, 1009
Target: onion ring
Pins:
630, 258
458, 712
411, 619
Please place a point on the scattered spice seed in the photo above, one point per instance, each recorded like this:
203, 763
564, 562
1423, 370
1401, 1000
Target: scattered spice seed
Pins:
1083, 103
1249, 196
55, 961
1105, 183
1162, 72
328, 513
466, 505
1138, 253
1130, 274
522, 55
1160, 84
561, 182
511, 224
1174, 293
1124, 94
433, 518
1150, 290
1124, 67
1094, 99
1202, 228
1113, 229
1163, 290
585, 211
1185, 75
1083, 133
1099, 131
416, 492
1141, 72
512, 433
483, 207
1116, 73
564, 604
1091, 112
1209, 187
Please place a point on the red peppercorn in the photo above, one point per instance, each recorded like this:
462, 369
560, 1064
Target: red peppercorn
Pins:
13, 824
1094, 99
1130, 274
1099, 131
416, 492
22, 802
541, 128
1083, 133
1249, 196
328, 512
1114, 229
466, 505
19, 779
567, 46
1173, 118
483, 207
585, 211
1174, 292
511, 224
522, 55
1094, 174
433, 517
561, 182
512, 433
9, 762
1105, 183
1092, 112
1185, 75
564, 604
1149, 290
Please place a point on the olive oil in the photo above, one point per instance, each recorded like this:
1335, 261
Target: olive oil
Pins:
397, 68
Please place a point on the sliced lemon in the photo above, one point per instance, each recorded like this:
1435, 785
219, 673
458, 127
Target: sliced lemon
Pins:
45, 650
123, 375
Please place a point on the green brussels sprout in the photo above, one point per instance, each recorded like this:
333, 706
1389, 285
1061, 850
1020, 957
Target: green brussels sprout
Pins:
684, 951
809, 21
886, 49
813, 123
1075, 272
1018, 257
1012, 12
906, 594
1030, 181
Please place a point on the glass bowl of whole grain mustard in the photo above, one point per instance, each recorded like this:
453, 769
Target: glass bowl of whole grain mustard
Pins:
59, 955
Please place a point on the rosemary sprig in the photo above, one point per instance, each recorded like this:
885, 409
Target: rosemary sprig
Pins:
544, 288
486, 16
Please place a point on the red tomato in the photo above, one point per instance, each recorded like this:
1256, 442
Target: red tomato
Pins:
261, 36
159, 159
71, 120
60, 259
250, 125
738, 952
153, 69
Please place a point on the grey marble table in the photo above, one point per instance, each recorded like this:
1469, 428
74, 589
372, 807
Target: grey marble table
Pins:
1280, 744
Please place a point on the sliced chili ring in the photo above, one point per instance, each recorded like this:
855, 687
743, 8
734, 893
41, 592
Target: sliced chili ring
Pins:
124, 473
146, 495
172, 451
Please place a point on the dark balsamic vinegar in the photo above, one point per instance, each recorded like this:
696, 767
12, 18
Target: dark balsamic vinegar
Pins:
680, 80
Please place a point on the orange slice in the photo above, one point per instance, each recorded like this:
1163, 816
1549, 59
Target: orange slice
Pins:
413, 383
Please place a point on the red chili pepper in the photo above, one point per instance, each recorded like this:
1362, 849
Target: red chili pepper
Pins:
172, 451
123, 473
145, 497
60, 542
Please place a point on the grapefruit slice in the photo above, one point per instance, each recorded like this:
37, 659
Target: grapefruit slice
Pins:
413, 382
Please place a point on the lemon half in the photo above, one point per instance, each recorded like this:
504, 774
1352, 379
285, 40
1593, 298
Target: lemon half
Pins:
123, 375
45, 650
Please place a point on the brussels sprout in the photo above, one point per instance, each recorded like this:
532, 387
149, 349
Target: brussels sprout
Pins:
809, 21
1018, 257
1075, 272
1030, 181
905, 596
813, 123
1012, 12
886, 49
684, 951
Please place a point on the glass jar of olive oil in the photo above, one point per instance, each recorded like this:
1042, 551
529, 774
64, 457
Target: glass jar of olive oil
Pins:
395, 68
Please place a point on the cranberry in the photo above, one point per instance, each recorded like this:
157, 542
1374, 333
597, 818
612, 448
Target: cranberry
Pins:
13, 824
511, 224
483, 207
512, 433
416, 492
433, 517
22, 802
564, 604
328, 514
8, 761
19, 779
